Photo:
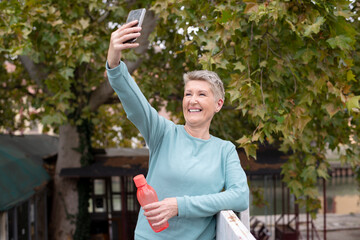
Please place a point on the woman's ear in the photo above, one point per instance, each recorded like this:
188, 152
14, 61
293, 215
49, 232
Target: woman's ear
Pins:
219, 104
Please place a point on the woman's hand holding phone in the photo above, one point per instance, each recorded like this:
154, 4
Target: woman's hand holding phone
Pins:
118, 39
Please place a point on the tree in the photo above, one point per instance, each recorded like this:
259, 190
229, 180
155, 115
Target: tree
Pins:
59, 51
290, 70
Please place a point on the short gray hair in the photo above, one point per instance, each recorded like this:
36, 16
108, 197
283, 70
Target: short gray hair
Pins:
217, 85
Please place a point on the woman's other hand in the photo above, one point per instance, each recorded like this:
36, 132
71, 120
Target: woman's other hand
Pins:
118, 37
160, 212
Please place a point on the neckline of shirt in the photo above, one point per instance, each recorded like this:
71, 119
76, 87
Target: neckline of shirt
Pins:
182, 127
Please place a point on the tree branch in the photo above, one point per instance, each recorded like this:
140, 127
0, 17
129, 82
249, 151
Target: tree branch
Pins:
103, 17
34, 70
104, 92
261, 77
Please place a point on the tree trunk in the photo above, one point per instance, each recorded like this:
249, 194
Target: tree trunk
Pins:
65, 200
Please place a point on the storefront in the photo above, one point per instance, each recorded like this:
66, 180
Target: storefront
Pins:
113, 206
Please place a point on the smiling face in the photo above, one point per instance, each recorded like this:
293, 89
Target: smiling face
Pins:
199, 103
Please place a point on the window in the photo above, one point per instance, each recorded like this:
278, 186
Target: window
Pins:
113, 194
116, 193
114, 200
99, 195
131, 195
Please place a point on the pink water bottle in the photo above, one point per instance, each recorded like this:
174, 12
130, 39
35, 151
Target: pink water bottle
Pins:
146, 195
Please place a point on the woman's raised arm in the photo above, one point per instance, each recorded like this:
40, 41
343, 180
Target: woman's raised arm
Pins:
118, 37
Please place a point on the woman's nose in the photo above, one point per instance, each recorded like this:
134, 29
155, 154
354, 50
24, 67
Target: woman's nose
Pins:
193, 99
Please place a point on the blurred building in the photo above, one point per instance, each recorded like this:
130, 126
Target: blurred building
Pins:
24, 186
113, 206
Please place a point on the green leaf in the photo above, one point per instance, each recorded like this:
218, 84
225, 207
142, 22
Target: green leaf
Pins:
84, 23
251, 7
225, 16
352, 104
56, 22
280, 119
323, 173
295, 187
302, 122
244, 140
263, 64
315, 27
344, 13
250, 150
222, 64
343, 42
211, 46
311, 192
62, 106
239, 66
331, 109
350, 76
53, 119
309, 173
50, 38
234, 95
260, 110
85, 57
256, 136
67, 72
307, 56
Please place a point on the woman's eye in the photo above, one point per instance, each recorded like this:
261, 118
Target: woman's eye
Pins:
202, 94
187, 94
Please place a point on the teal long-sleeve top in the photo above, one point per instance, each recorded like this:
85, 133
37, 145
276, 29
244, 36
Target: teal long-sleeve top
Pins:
205, 176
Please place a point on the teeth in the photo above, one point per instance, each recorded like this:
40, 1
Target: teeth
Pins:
194, 110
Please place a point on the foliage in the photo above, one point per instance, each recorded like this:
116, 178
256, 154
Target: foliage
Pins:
58, 49
258, 196
291, 73
291, 70
17, 97
112, 129
68, 41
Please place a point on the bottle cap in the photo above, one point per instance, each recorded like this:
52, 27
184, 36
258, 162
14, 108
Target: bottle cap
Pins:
140, 180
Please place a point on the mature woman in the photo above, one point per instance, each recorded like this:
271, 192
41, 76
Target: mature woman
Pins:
194, 173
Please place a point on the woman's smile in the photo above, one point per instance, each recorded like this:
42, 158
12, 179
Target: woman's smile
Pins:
195, 110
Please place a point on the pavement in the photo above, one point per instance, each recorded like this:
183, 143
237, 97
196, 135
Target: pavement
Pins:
338, 227
343, 235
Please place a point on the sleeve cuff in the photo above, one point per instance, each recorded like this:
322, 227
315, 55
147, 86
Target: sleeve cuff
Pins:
118, 70
181, 206
108, 67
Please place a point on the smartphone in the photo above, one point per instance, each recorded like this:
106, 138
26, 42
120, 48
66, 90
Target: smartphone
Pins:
139, 15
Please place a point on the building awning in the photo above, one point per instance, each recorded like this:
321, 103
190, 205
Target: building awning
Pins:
129, 162
112, 162
21, 171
